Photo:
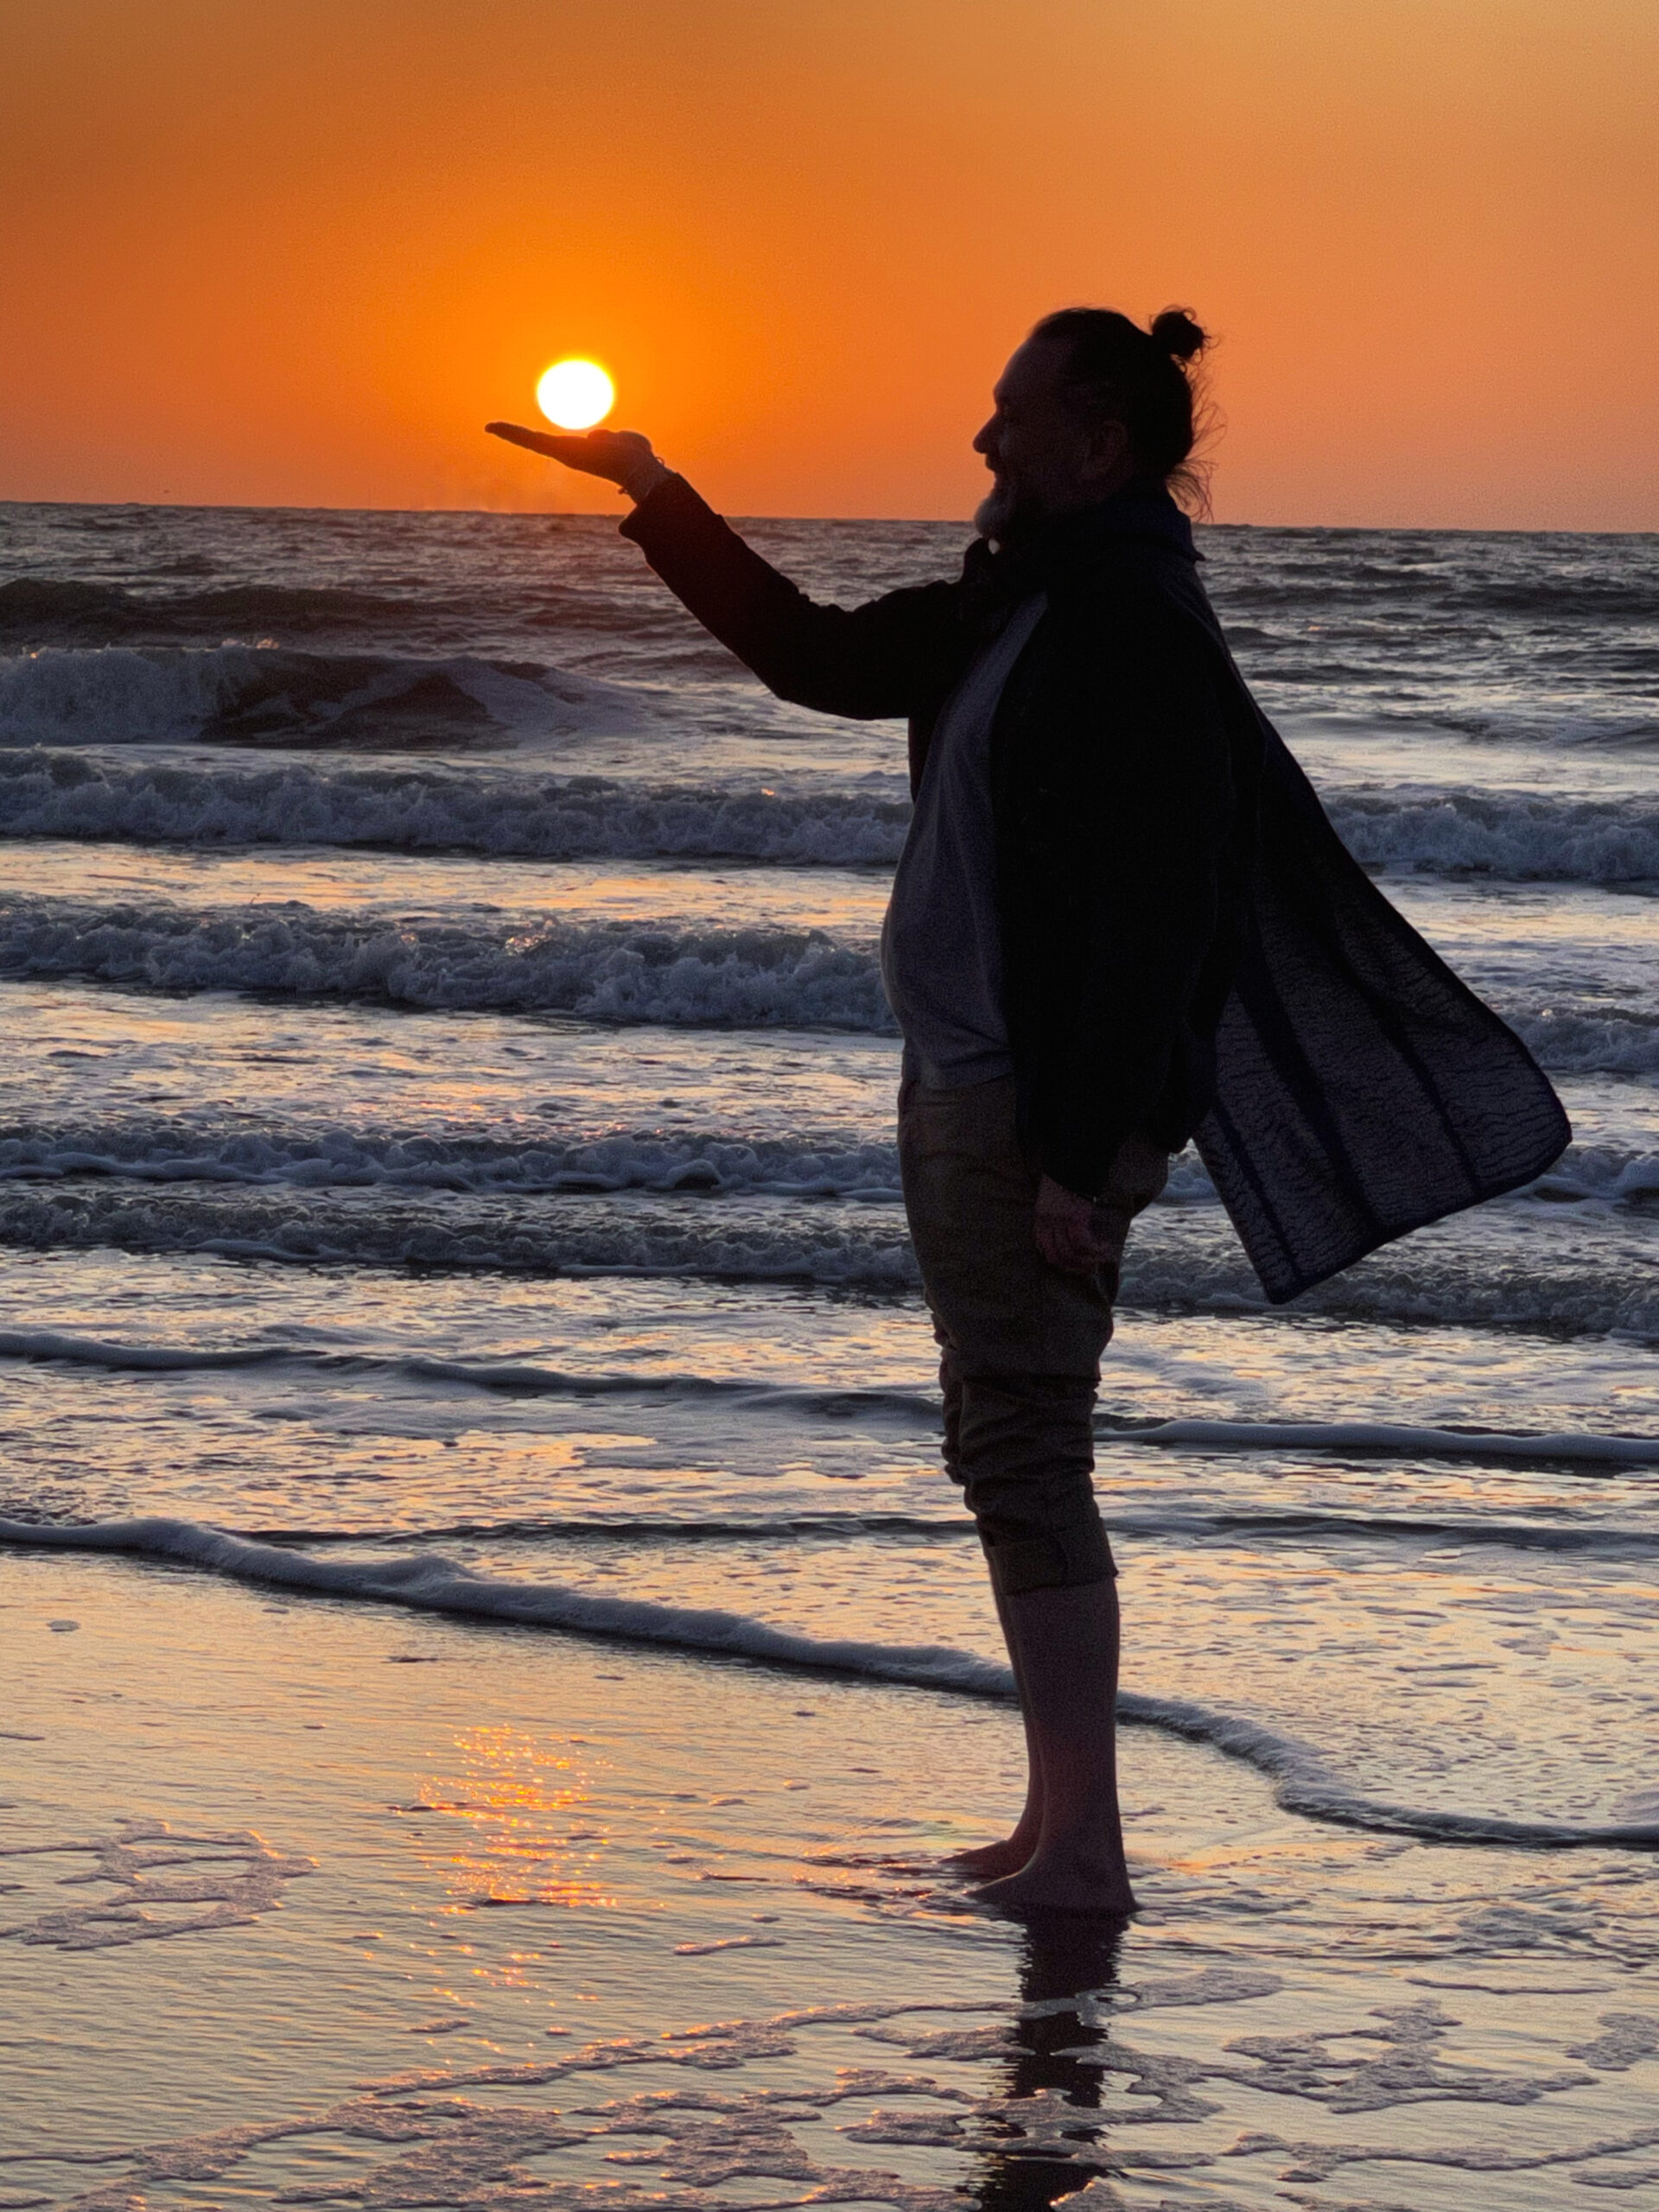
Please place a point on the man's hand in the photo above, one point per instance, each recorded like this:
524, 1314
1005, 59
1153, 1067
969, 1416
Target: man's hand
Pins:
613, 454
1079, 1235
1075, 1235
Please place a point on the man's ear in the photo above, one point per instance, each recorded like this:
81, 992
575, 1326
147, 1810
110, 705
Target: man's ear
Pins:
1109, 451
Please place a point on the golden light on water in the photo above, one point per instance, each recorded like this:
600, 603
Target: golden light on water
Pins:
526, 1834
575, 395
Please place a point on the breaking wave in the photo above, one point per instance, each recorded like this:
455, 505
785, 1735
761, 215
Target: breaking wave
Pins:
265, 695
812, 1164
166, 1151
405, 808
1519, 836
1517, 1264
1590, 1043
755, 1240
1304, 1782
621, 971
45, 792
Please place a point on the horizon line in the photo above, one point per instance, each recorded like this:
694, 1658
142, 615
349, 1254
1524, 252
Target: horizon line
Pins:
942, 522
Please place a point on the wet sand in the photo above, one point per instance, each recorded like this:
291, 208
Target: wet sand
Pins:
323, 1902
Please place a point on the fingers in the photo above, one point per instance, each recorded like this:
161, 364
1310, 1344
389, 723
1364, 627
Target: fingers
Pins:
566, 449
1070, 1246
1077, 1245
1076, 1234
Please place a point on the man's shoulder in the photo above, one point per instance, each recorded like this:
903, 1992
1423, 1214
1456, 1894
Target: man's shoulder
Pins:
1118, 623
1124, 596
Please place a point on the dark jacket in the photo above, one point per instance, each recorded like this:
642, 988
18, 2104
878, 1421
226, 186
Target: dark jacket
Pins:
1188, 949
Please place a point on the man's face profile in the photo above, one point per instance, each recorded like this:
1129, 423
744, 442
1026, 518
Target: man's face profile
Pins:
1045, 457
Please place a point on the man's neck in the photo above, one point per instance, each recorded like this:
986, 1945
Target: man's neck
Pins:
1032, 529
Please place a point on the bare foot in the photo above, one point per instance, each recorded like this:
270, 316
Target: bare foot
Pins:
988, 1862
1054, 1882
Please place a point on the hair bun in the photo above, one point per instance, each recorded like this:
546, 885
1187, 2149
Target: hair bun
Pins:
1177, 331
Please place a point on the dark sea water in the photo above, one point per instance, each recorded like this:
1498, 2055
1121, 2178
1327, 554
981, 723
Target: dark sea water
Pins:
446, 1142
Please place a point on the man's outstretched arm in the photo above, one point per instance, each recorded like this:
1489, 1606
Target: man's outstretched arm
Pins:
868, 661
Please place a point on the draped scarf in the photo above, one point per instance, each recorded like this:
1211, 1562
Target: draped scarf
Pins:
1362, 1089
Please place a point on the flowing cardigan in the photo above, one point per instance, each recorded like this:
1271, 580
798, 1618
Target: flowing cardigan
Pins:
1359, 1089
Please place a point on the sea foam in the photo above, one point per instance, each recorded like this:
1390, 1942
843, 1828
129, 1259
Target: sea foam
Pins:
1304, 1782
1515, 836
667, 972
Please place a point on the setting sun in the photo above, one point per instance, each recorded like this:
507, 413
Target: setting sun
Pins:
576, 394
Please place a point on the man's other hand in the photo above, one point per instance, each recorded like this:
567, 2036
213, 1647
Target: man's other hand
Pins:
1079, 1235
1075, 1235
613, 454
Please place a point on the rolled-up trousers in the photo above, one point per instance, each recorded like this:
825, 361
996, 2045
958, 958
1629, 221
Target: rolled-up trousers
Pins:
1019, 1341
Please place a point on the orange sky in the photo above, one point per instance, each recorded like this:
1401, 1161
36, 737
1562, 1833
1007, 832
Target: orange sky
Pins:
297, 254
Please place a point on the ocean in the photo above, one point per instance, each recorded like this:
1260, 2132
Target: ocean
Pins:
465, 1389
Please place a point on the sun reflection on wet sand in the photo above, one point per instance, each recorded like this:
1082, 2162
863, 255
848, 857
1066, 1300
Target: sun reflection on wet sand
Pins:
521, 1829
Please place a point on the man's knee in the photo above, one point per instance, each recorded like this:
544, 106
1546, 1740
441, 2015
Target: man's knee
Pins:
1056, 1559
1024, 1455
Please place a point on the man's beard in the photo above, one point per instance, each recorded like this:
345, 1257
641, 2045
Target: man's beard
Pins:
1002, 514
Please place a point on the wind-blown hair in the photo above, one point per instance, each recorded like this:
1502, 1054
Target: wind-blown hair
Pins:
1146, 379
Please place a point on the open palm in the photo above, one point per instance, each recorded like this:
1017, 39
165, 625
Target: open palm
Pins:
613, 454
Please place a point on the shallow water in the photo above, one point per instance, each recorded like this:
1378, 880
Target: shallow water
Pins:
446, 1144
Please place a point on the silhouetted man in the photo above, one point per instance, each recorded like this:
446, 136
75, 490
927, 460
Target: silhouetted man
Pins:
1113, 873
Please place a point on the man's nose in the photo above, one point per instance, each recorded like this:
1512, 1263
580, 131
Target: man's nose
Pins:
985, 438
